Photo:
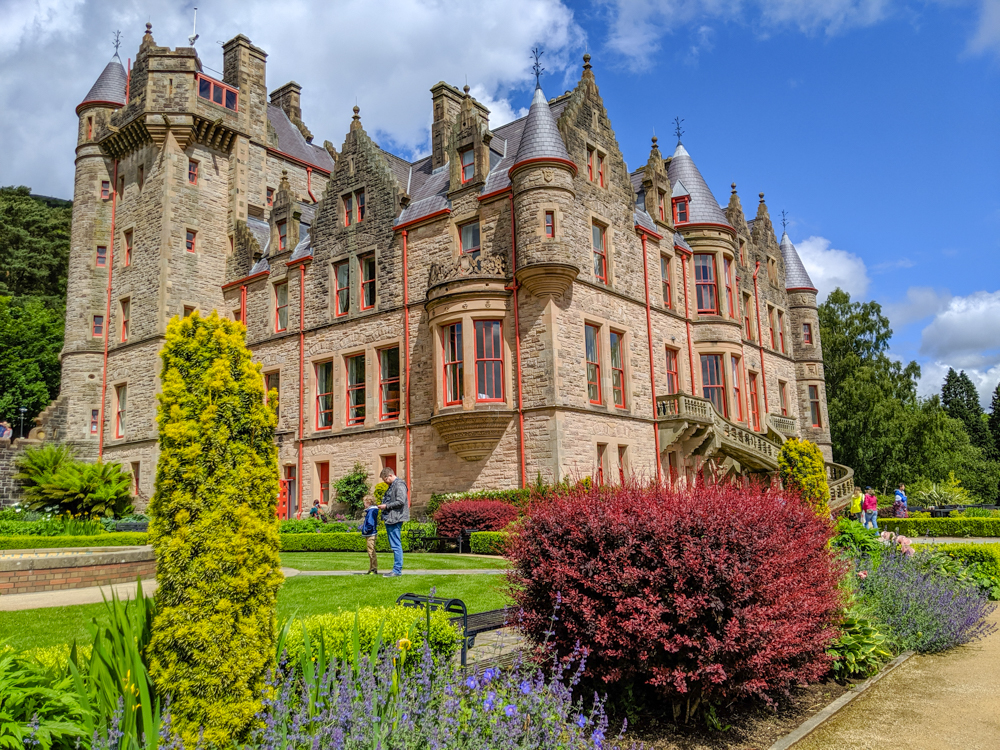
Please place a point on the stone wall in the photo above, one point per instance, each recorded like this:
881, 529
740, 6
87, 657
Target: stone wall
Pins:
55, 570
9, 452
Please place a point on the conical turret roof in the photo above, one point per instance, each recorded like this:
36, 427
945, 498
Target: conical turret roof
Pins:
540, 138
796, 276
110, 85
703, 208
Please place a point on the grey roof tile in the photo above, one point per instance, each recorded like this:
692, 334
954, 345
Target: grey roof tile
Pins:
644, 220
261, 231
428, 192
703, 207
304, 248
292, 142
498, 178
260, 266
399, 167
110, 85
796, 276
540, 138
680, 242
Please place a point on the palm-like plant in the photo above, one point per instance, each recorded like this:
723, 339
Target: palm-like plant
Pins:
35, 466
86, 489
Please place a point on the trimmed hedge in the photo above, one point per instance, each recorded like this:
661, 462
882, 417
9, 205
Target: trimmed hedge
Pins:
116, 539
488, 542
343, 542
518, 498
986, 555
941, 526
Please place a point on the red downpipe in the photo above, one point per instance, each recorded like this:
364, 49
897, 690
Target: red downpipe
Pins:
406, 346
243, 304
107, 314
652, 369
760, 336
128, 79
687, 317
517, 342
302, 372
309, 189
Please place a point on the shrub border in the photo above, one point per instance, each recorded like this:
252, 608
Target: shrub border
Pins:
113, 539
958, 527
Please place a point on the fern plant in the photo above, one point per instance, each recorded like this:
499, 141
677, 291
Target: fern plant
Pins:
35, 466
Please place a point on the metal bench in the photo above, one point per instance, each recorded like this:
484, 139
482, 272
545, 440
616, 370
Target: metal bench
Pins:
420, 538
472, 625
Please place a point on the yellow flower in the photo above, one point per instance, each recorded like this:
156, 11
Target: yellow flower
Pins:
404, 644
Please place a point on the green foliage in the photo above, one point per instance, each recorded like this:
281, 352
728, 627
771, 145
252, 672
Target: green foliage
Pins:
337, 542
117, 539
960, 400
488, 542
213, 527
856, 541
982, 559
993, 421
352, 487
859, 650
517, 498
926, 493
29, 697
942, 526
36, 464
52, 480
34, 244
49, 527
379, 492
31, 337
803, 469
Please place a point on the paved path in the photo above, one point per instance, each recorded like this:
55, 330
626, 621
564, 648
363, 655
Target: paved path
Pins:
933, 702
955, 539
406, 572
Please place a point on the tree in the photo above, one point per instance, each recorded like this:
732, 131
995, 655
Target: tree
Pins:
961, 401
803, 470
34, 244
31, 337
994, 420
214, 530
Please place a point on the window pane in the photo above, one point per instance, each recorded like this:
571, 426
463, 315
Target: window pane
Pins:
489, 361
593, 365
389, 385
713, 382
343, 274
454, 371
217, 94
204, 88
324, 394
356, 389
470, 238
230, 99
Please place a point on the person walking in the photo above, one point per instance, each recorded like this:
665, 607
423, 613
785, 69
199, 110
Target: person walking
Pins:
901, 496
396, 511
369, 530
870, 508
6, 431
855, 511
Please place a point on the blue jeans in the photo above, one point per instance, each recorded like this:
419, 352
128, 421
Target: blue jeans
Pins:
871, 517
394, 532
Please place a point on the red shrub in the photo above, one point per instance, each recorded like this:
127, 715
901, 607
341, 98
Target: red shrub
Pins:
712, 593
482, 515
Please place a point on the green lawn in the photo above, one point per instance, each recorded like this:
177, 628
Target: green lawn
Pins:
411, 560
300, 596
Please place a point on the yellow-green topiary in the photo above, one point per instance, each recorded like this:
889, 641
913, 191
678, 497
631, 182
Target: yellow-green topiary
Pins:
802, 468
214, 530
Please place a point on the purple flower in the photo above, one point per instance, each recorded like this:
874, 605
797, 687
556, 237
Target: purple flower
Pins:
510, 710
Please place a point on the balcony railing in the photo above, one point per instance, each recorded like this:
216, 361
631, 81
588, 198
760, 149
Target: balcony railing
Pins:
784, 425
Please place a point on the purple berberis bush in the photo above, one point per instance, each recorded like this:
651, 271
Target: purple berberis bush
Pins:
923, 609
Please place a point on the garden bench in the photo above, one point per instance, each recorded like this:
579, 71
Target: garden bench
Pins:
419, 537
141, 526
472, 625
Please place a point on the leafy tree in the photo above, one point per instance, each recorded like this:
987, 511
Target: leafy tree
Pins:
214, 530
31, 337
961, 401
352, 487
994, 419
34, 244
803, 469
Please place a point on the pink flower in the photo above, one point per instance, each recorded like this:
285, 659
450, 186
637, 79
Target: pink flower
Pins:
862, 574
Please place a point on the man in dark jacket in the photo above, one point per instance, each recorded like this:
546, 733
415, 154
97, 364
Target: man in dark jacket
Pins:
395, 509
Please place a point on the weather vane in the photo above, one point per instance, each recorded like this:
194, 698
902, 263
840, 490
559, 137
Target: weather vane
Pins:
784, 221
537, 54
117, 41
677, 128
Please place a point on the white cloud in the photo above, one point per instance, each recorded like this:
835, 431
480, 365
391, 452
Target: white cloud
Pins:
921, 302
829, 268
987, 36
386, 55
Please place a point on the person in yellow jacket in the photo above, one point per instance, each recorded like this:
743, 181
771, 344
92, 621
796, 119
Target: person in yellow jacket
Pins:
855, 512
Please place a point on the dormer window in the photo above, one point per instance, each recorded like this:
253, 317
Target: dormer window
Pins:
348, 209
681, 210
282, 235
354, 207
468, 165
218, 93
469, 234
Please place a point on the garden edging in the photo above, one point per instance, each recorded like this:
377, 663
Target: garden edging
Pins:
815, 721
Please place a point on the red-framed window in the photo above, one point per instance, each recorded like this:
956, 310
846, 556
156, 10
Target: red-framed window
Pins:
95, 416
728, 271
600, 169
105, 190
192, 172
282, 235
489, 361
592, 345
773, 326
97, 329
468, 165
140, 176
783, 395
622, 462
550, 224
747, 317
807, 333
673, 379
355, 389
599, 238
704, 279
618, 368
323, 475
218, 93
342, 289
121, 409
469, 237
590, 164
388, 384
128, 247
102, 257
713, 382
814, 411
188, 311
665, 281
680, 210
189, 240
359, 201
754, 408
291, 483
90, 128
366, 264
324, 395
281, 306
126, 307
454, 368
737, 395
272, 382
602, 450
661, 198
270, 196
348, 209
781, 330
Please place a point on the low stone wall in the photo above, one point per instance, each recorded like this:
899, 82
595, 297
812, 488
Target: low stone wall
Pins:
30, 571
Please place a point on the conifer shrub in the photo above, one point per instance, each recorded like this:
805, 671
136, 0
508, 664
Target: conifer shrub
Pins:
713, 594
482, 515
214, 530
803, 470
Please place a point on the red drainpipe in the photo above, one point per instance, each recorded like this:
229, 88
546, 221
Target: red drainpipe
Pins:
107, 313
760, 336
517, 342
309, 189
406, 346
302, 373
652, 369
687, 316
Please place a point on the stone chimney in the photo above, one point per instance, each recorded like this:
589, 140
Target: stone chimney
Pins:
447, 103
288, 99
244, 67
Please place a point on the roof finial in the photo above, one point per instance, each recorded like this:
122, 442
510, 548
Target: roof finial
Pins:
357, 113
654, 140
537, 68
466, 89
733, 186
761, 197
149, 29
784, 220
678, 130
586, 61
117, 42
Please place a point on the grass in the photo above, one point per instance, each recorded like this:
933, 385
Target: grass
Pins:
412, 561
300, 596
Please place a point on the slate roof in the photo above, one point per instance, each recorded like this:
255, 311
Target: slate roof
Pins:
796, 276
680, 242
292, 142
110, 84
428, 191
703, 207
540, 138
644, 220
261, 231
399, 167
304, 248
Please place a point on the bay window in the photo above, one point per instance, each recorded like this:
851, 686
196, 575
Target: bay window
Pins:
453, 364
593, 351
704, 277
489, 361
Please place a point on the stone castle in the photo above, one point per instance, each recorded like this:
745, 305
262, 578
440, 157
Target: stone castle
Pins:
516, 305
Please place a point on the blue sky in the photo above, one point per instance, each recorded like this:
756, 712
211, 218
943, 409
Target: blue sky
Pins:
868, 121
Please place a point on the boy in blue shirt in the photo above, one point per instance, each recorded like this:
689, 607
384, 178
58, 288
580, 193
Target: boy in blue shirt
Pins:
369, 530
